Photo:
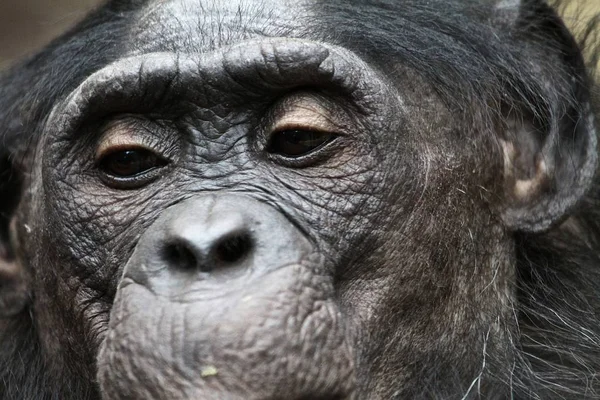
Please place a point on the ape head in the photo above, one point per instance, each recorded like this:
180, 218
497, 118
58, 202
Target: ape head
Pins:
300, 200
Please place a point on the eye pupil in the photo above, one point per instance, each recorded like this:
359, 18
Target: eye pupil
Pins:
129, 163
296, 143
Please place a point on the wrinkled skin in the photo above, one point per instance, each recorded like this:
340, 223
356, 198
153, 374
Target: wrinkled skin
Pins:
381, 263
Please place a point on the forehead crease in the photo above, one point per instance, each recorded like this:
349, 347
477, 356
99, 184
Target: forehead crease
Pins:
203, 25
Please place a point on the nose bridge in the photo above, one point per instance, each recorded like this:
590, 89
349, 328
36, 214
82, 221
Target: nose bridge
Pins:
210, 241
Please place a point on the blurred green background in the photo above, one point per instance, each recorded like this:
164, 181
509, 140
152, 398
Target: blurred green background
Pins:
26, 25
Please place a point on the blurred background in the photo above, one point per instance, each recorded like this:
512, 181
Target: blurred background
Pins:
26, 25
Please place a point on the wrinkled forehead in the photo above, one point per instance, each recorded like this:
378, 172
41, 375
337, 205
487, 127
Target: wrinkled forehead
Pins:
203, 25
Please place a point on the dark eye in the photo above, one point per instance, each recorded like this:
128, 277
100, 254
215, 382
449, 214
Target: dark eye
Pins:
130, 163
297, 143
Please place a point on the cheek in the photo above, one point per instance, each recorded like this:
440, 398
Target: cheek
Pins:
93, 231
428, 277
75, 249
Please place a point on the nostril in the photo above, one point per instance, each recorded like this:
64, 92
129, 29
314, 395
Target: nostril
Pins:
179, 256
227, 251
233, 248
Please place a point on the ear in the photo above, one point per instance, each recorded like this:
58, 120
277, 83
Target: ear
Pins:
14, 292
550, 141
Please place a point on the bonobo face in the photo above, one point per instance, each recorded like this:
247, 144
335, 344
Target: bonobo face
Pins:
237, 207
218, 183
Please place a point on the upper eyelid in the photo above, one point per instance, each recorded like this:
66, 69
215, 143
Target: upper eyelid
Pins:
123, 134
108, 147
306, 112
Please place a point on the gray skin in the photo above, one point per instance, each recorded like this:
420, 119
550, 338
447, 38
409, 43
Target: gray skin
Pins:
235, 273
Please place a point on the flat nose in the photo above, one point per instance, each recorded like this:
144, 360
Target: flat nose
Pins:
214, 238
222, 238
